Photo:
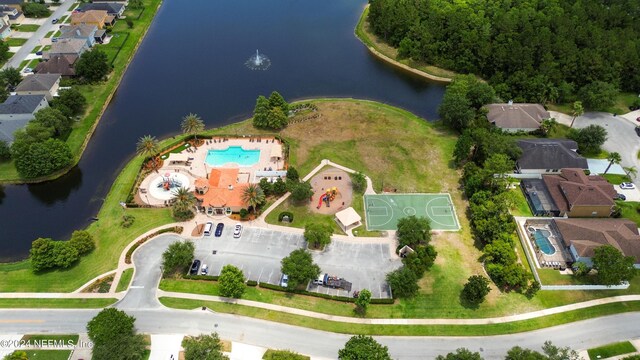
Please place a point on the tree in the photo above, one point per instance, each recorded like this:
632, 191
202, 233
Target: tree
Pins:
589, 139
32, 133
279, 187
361, 347
613, 267
253, 196
358, 182
17, 355
614, 158
301, 192
500, 252
147, 146
547, 125
43, 158
559, 353
11, 76
421, 259
5, 151
576, 110
413, 231
231, 282
54, 118
83, 241
403, 283
136, 4
518, 353
261, 112
461, 354
456, 111
363, 300
35, 10
178, 257
203, 347
317, 235
282, 355
112, 331
192, 124
532, 289
475, 290
72, 100
292, 174
300, 268
64, 254
93, 65
266, 186
276, 100
41, 254
631, 171
598, 95
276, 119
183, 204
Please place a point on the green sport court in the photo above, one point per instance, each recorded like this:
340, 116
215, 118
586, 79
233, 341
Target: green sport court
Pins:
383, 211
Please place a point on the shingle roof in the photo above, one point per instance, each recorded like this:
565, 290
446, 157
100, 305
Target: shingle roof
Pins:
11, 2
9, 127
38, 82
21, 104
91, 16
587, 234
550, 154
67, 46
58, 64
78, 31
574, 188
517, 116
109, 7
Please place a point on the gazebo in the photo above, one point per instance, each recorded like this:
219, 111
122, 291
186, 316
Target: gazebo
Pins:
348, 219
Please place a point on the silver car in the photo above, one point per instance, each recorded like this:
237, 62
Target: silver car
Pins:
237, 231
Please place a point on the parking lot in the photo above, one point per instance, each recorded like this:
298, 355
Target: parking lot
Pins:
258, 253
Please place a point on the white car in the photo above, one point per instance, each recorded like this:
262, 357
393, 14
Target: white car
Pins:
237, 231
284, 282
627, 186
204, 270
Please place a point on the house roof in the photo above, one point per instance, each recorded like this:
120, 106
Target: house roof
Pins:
11, 2
67, 46
550, 154
572, 187
21, 104
78, 31
348, 217
224, 188
58, 64
38, 82
517, 116
587, 234
90, 16
8, 128
109, 7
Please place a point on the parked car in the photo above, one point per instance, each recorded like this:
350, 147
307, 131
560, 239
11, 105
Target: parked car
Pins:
638, 119
627, 185
194, 267
237, 231
284, 281
638, 130
27, 70
219, 228
54, 21
38, 52
204, 270
620, 197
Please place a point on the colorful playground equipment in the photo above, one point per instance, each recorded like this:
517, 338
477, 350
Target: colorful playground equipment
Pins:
168, 182
328, 196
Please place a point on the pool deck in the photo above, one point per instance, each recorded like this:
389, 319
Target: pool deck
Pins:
561, 255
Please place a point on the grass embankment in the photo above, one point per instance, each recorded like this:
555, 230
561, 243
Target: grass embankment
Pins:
610, 350
407, 330
49, 354
364, 32
55, 303
120, 53
15, 41
27, 28
125, 280
630, 210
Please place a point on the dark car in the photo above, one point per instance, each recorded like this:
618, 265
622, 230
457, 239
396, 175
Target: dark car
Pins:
638, 130
219, 229
39, 53
620, 197
195, 267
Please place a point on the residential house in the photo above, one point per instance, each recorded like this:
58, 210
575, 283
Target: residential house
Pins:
17, 111
5, 27
66, 47
86, 32
58, 64
39, 84
512, 117
99, 18
221, 193
112, 8
583, 236
124, 2
15, 16
540, 156
16, 4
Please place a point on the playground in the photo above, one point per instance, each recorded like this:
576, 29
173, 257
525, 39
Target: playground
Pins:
383, 211
332, 191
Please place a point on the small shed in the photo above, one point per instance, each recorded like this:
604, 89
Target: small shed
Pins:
178, 159
276, 153
348, 219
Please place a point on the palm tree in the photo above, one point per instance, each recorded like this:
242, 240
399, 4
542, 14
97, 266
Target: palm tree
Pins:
613, 157
631, 171
253, 196
576, 110
192, 124
184, 201
148, 146
547, 125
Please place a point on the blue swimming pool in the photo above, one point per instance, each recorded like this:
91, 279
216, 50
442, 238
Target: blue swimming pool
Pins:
542, 240
233, 154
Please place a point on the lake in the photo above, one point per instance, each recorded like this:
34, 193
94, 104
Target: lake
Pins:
192, 60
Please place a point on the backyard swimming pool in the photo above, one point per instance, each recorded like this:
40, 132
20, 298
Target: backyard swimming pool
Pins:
233, 154
542, 240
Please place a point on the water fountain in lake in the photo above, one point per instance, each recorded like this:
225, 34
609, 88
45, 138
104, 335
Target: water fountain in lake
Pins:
258, 62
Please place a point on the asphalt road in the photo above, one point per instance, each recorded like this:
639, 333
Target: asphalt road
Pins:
579, 335
39, 35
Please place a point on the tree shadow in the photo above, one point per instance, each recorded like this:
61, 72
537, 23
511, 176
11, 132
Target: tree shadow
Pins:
468, 304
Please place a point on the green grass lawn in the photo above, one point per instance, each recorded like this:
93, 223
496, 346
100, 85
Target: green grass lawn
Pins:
520, 205
23, 64
610, 350
33, 63
284, 355
56, 303
621, 105
28, 27
616, 179
49, 354
630, 210
49, 34
15, 41
125, 280
66, 338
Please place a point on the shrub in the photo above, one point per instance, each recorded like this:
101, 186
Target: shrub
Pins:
127, 221
5, 151
42, 158
178, 257
475, 290
82, 241
231, 281
244, 213
35, 10
358, 182
403, 282
285, 213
